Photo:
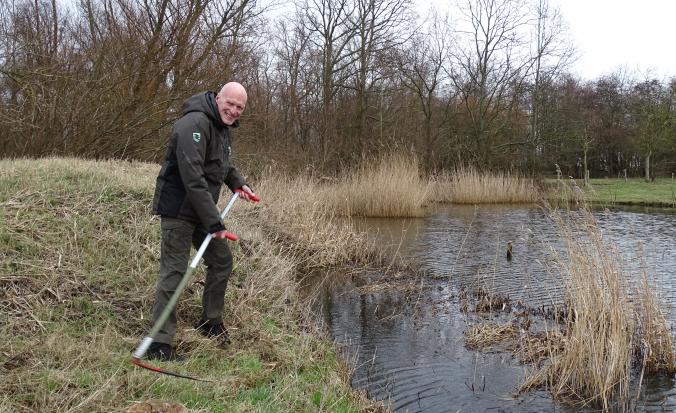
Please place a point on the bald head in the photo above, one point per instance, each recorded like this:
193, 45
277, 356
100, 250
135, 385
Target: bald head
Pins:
231, 102
233, 89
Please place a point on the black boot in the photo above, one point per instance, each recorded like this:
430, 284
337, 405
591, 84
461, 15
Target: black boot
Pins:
162, 352
217, 331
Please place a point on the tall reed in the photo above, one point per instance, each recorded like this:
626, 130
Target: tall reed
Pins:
655, 346
469, 186
390, 186
606, 327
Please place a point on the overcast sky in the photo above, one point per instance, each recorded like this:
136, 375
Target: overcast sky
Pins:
637, 34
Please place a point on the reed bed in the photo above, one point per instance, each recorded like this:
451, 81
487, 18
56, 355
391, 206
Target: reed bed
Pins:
606, 327
79, 253
390, 186
566, 192
469, 186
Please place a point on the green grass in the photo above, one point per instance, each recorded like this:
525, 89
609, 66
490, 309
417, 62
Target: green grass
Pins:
662, 192
607, 192
79, 253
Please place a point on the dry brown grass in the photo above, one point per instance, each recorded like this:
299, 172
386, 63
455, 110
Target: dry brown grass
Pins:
295, 213
565, 192
469, 186
78, 265
537, 347
656, 341
484, 335
604, 327
390, 186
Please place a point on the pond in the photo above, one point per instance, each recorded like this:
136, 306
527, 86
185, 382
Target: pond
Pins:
406, 345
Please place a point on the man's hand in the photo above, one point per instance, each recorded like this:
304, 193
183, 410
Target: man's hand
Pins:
247, 194
224, 235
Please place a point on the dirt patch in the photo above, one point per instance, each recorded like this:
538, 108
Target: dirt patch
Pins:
157, 406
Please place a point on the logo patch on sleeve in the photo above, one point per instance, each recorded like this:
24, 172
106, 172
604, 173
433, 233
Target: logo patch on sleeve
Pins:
196, 137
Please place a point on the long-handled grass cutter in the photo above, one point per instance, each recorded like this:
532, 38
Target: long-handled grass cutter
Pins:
148, 340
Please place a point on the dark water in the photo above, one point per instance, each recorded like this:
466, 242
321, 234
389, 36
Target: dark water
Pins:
406, 345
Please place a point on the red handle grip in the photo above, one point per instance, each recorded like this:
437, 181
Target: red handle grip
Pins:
247, 195
225, 234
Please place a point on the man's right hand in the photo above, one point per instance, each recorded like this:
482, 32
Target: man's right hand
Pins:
247, 194
224, 235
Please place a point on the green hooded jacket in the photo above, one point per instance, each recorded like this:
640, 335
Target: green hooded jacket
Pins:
196, 165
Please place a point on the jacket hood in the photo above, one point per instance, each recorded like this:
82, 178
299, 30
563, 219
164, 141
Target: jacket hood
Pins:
205, 102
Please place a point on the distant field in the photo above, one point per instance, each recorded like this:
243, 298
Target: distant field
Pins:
661, 192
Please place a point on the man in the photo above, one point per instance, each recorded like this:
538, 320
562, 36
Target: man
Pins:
187, 190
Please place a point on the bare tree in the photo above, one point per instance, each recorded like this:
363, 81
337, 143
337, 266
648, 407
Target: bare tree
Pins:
551, 55
298, 82
490, 66
379, 26
420, 67
612, 107
107, 82
31, 73
329, 25
652, 109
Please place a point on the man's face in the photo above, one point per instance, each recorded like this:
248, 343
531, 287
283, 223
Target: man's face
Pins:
231, 104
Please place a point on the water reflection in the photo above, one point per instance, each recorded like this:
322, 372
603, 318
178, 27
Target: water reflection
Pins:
468, 245
409, 348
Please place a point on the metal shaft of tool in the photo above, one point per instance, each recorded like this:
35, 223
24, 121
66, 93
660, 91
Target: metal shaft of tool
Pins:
148, 340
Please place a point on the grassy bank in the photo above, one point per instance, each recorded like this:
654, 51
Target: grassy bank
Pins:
79, 260
608, 192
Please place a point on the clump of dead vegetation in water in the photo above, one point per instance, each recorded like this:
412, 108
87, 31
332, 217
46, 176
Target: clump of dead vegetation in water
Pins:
610, 327
484, 335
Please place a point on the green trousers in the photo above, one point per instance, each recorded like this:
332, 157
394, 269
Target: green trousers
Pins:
177, 237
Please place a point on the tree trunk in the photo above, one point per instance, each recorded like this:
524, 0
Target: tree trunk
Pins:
647, 166
585, 170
